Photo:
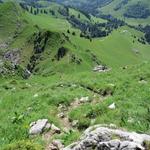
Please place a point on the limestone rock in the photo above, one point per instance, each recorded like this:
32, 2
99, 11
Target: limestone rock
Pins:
112, 106
84, 99
58, 144
52, 147
13, 56
75, 123
55, 129
100, 68
61, 115
39, 126
35, 95
119, 145
104, 137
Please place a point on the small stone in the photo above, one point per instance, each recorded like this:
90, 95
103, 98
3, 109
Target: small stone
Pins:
112, 106
35, 95
55, 129
74, 85
13, 88
143, 82
52, 147
66, 130
58, 144
84, 99
61, 115
111, 84
75, 123
62, 107
29, 108
28, 85
130, 120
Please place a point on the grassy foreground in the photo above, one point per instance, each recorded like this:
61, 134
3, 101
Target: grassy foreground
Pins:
128, 89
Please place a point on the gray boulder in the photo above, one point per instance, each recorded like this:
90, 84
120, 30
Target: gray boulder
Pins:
39, 126
104, 137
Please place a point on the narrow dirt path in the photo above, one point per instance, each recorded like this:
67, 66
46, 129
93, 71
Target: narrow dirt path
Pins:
75, 104
63, 114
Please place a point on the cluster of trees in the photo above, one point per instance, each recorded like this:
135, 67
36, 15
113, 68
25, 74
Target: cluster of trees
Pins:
64, 11
33, 9
142, 40
90, 30
146, 30
147, 33
36, 10
138, 10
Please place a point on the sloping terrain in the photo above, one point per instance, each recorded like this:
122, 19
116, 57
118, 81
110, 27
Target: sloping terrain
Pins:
11, 19
126, 10
52, 68
107, 50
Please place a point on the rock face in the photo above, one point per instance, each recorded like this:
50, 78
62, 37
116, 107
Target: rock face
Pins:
13, 56
102, 137
39, 126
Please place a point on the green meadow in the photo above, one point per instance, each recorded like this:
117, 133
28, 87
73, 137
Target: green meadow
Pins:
55, 82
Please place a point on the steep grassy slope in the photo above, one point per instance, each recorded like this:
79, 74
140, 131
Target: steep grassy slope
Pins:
10, 19
108, 50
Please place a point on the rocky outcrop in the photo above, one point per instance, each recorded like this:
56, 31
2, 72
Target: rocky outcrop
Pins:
40, 42
13, 56
41, 125
3, 46
102, 137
